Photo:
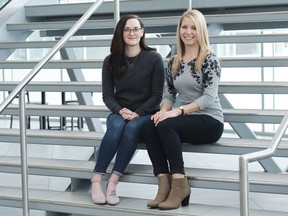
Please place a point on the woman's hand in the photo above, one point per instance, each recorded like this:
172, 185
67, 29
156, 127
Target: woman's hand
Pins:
162, 115
128, 114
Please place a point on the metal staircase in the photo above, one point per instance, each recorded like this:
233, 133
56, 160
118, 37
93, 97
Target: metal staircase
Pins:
160, 17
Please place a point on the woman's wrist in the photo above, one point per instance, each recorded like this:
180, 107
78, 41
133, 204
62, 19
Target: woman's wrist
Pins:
182, 111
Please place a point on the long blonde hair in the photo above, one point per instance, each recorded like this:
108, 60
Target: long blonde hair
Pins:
203, 40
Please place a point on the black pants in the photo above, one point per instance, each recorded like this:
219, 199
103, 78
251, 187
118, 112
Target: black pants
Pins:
164, 141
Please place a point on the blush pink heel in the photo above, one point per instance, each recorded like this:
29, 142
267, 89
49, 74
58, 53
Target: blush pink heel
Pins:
98, 197
111, 197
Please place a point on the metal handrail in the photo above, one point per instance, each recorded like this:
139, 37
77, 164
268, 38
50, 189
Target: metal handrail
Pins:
244, 160
3, 3
20, 89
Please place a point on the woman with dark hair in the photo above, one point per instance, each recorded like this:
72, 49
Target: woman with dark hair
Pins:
132, 82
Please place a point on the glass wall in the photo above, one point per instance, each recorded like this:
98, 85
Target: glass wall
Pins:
257, 74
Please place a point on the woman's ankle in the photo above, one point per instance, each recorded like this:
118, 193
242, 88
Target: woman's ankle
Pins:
111, 186
112, 183
97, 178
96, 182
178, 175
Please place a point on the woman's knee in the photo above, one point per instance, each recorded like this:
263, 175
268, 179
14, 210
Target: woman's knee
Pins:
163, 126
148, 126
137, 124
116, 122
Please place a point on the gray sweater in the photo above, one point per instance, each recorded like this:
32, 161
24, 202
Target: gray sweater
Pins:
140, 89
200, 87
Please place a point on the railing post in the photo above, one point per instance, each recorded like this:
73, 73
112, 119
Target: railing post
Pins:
244, 186
23, 150
190, 4
116, 11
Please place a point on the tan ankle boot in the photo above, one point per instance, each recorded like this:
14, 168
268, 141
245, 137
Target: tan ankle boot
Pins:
180, 193
164, 186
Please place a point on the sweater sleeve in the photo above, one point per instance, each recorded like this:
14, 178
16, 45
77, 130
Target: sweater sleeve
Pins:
108, 88
170, 91
211, 76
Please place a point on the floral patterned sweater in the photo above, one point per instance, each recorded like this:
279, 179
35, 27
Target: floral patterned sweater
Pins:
200, 87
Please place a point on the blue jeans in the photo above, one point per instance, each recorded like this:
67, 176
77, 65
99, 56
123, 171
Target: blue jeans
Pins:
121, 137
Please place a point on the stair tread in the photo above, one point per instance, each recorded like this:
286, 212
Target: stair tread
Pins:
51, 10
224, 141
82, 168
76, 202
237, 18
101, 111
96, 86
226, 62
93, 139
223, 39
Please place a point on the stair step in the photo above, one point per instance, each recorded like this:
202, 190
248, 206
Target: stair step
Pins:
93, 111
221, 39
56, 86
96, 86
106, 9
90, 24
93, 139
159, 6
80, 203
143, 174
92, 64
54, 137
154, 21
277, 18
101, 111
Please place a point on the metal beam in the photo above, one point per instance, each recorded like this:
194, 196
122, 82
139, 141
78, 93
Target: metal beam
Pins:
84, 98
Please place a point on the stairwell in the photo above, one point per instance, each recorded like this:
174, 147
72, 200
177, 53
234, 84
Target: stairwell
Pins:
44, 24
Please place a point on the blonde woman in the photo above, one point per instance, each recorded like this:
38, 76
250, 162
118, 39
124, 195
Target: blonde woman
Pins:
193, 76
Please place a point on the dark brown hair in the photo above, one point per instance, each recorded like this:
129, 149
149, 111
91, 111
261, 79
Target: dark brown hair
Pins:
117, 49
